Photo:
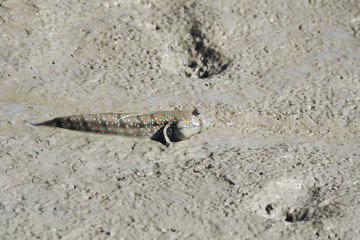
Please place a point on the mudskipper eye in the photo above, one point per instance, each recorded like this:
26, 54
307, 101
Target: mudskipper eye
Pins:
196, 112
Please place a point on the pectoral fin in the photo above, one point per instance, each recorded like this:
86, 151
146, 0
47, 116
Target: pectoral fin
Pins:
166, 137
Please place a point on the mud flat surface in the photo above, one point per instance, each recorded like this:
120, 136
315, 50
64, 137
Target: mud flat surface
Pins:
278, 80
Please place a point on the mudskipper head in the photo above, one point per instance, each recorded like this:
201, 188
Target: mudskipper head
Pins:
203, 124
191, 125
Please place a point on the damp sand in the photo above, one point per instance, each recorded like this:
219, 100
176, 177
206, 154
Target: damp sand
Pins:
279, 82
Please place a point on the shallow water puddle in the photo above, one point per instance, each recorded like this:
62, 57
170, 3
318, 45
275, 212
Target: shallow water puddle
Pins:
343, 46
12, 108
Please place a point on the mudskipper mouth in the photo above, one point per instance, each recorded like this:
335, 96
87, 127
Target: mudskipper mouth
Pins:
204, 124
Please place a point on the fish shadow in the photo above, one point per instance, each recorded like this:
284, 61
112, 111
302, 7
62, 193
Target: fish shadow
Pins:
159, 135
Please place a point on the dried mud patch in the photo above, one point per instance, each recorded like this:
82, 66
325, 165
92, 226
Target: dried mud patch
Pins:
194, 47
293, 200
205, 59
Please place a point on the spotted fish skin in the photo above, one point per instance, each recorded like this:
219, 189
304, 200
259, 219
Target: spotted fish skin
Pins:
176, 125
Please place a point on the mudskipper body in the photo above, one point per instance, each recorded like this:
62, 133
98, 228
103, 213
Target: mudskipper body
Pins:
167, 126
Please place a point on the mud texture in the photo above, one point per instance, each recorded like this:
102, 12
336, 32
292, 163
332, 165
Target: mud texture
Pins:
278, 80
